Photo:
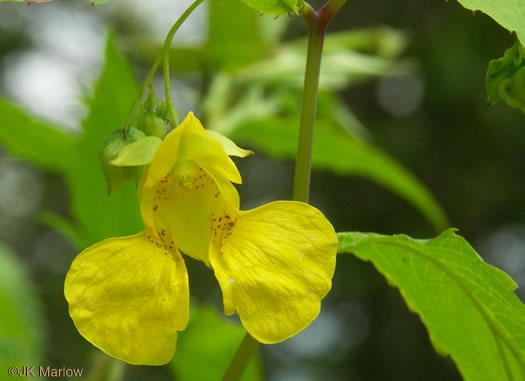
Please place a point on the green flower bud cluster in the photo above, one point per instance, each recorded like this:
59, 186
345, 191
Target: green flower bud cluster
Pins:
125, 153
153, 121
505, 78
153, 125
116, 176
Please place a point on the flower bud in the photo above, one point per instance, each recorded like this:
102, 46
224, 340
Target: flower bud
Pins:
153, 125
116, 177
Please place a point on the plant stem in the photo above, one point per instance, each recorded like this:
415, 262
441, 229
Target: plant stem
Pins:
303, 161
165, 58
330, 9
106, 368
147, 82
317, 25
172, 113
241, 359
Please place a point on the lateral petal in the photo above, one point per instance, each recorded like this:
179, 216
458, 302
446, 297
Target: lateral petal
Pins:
274, 268
129, 296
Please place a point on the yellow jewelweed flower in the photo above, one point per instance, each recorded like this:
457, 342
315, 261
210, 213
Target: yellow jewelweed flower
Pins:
129, 296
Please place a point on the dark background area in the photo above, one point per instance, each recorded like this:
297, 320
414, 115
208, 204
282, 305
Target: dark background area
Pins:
468, 154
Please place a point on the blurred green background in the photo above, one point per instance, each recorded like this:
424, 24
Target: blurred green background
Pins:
415, 91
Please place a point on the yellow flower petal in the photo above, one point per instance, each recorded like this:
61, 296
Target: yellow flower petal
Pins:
129, 296
188, 189
229, 146
189, 141
189, 207
275, 266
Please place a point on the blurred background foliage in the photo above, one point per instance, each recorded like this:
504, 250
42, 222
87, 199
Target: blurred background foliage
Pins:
402, 103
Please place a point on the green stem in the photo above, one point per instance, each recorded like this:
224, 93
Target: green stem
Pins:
303, 161
317, 25
242, 357
330, 9
172, 113
147, 82
165, 59
106, 368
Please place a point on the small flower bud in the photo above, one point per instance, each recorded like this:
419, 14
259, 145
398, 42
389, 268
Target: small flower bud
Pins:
116, 177
153, 125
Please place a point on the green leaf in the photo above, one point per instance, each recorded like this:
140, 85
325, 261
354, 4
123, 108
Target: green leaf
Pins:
235, 37
508, 13
380, 41
468, 306
21, 327
335, 150
229, 46
98, 215
140, 152
206, 347
342, 63
505, 78
274, 7
34, 140
60, 225
223, 116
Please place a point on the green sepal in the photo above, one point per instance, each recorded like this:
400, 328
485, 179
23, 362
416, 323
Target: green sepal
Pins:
140, 152
117, 177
